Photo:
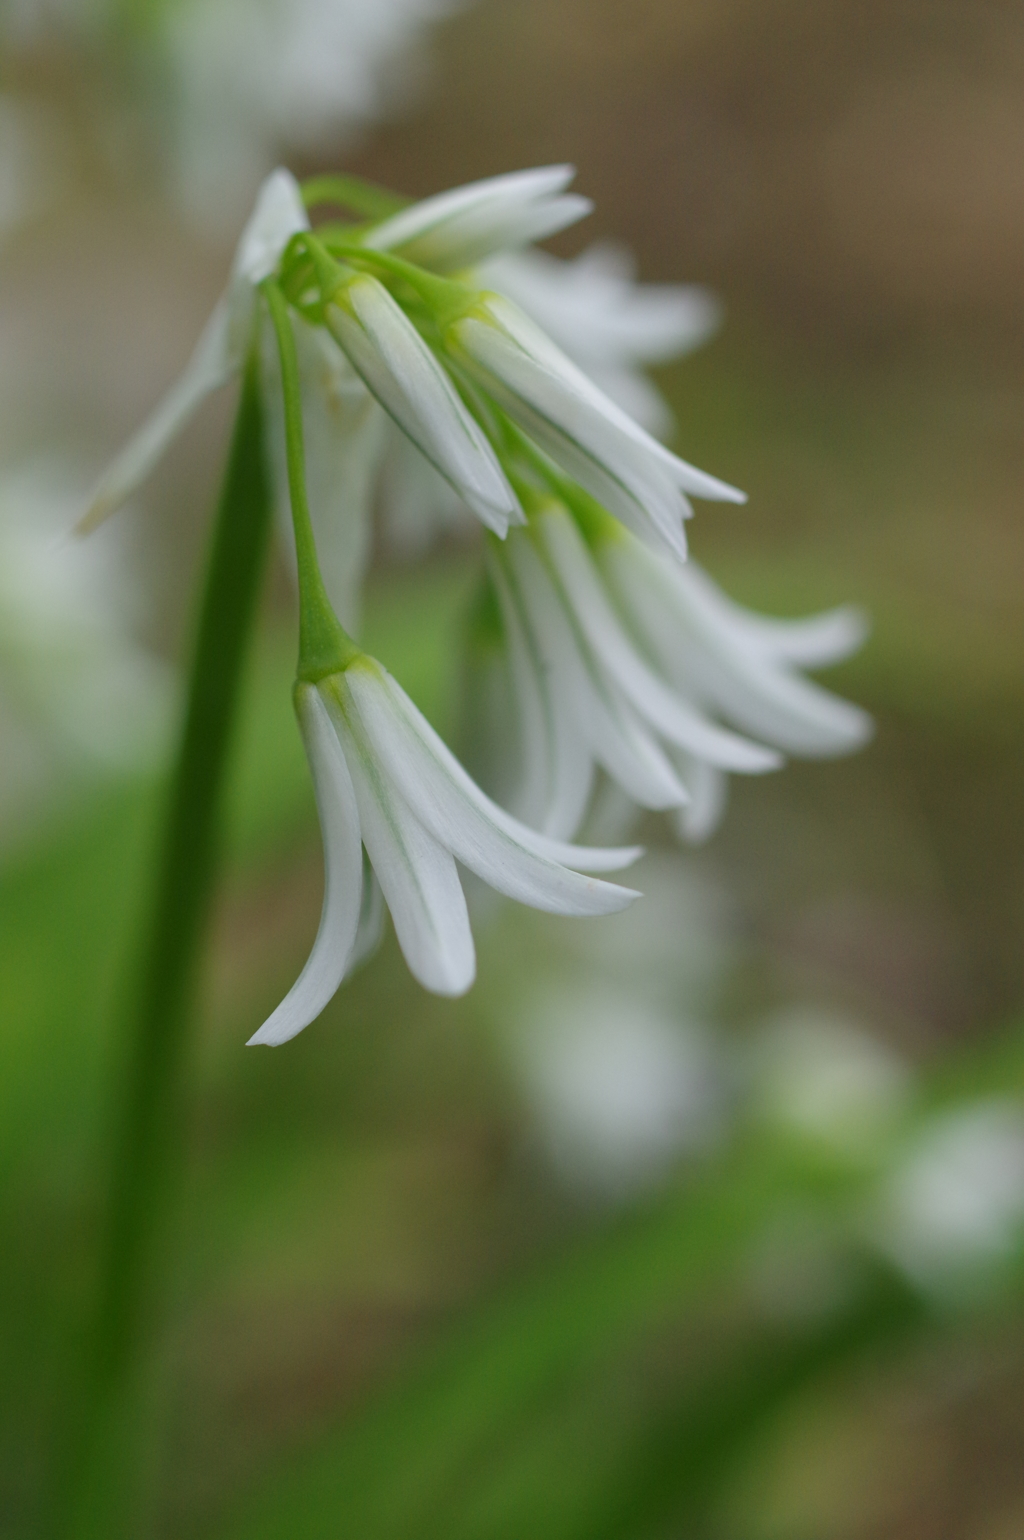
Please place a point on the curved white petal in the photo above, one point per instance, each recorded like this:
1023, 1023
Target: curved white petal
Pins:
810, 642
617, 738
278, 214
213, 362
709, 788
594, 310
696, 644
401, 371
343, 876
417, 873
535, 343
559, 765
511, 858
370, 931
574, 431
672, 716
459, 228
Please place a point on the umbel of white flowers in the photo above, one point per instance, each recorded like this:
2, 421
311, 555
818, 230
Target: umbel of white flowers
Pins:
620, 657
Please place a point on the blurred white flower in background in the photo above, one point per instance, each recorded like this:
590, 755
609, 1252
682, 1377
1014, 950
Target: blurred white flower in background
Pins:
620, 1076
618, 1088
953, 1208
817, 1074
79, 695
253, 79
234, 85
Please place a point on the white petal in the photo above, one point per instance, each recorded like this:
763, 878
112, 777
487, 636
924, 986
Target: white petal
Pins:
672, 716
618, 739
343, 876
812, 642
416, 872
560, 766
371, 920
697, 645
398, 366
537, 345
575, 432
212, 363
459, 228
593, 309
511, 858
279, 214
708, 787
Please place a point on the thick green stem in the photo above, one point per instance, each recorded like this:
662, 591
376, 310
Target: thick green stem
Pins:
147, 1142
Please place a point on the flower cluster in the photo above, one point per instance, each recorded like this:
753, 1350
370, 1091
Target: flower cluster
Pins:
622, 657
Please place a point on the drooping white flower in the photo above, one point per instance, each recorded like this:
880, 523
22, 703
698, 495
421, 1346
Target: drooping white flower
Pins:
609, 325
220, 352
587, 693
637, 479
386, 782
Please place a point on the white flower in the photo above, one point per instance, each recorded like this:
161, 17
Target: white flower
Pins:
251, 78
643, 613
828, 1079
399, 368
460, 228
954, 1206
77, 690
554, 402
220, 352
619, 1088
610, 325
588, 695
386, 782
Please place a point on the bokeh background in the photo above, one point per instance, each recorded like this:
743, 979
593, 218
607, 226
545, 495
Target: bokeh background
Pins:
705, 1220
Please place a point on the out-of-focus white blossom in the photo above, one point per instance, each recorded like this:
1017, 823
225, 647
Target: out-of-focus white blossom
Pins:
78, 693
953, 1208
232, 85
252, 79
618, 1089
825, 1078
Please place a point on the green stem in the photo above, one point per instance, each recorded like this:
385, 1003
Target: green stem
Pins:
325, 647
148, 1141
351, 192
